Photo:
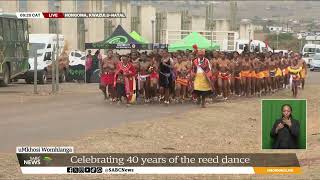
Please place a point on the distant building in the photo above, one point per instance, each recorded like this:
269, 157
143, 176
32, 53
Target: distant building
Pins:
9, 6
186, 21
279, 29
247, 29
147, 16
168, 21
221, 25
198, 23
312, 39
287, 30
295, 21
173, 20
94, 28
125, 7
275, 28
257, 28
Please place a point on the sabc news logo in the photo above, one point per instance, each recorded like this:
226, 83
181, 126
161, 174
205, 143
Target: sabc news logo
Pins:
36, 160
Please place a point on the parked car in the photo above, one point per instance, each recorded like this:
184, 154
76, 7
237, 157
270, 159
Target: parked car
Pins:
315, 62
77, 57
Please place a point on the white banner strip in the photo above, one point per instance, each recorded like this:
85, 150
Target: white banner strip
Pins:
44, 149
44, 170
141, 170
32, 15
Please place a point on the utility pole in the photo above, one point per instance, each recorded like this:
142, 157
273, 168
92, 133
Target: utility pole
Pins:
35, 76
277, 40
53, 57
249, 40
57, 50
209, 20
152, 23
57, 60
121, 11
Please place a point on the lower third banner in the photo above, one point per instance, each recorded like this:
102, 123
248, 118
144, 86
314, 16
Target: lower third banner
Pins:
153, 163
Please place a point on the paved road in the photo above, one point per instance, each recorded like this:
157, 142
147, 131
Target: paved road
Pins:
26, 119
313, 77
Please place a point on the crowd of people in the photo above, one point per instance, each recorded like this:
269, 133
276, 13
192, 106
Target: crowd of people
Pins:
160, 76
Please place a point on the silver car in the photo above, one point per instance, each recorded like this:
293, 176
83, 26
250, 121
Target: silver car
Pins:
315, 63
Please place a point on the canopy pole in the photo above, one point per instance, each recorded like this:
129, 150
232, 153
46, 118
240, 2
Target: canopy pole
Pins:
167, 36
211, 37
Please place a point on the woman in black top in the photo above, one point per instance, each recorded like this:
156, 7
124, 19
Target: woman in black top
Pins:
285, 130
95, 60
165, 76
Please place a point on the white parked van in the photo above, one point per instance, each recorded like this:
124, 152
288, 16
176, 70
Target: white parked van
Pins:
254, 45
310, 49
308, 52
44, 44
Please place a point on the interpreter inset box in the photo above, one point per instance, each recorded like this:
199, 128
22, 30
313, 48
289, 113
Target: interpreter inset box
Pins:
284, 123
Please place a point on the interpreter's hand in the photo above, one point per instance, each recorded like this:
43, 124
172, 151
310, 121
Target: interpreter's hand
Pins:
288, 122
280, 126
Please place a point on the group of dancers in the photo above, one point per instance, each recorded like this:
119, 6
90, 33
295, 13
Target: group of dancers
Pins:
167, 78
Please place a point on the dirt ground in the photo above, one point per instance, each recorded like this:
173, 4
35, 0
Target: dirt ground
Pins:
223, 127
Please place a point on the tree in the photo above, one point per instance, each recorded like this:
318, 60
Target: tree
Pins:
286, 41
311, 26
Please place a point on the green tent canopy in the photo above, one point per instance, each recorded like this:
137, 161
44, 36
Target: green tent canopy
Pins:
118, 37
136, 36
190, 40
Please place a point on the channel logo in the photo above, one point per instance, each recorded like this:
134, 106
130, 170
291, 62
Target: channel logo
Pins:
33, 160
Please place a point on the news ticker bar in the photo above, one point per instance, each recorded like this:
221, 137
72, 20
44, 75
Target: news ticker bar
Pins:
63, 160
158, 159
160, 170
43, 15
